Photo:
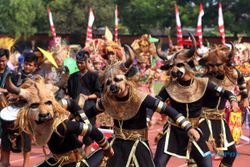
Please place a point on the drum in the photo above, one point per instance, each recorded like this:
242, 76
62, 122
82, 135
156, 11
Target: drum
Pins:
3, 101
11, 137
9, 113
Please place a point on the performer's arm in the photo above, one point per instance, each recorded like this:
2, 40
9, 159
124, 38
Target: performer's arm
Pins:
76, 110
225, 94
95, 110
162, 108
159, 106
95, 134
162, 95
220, 91
83, 129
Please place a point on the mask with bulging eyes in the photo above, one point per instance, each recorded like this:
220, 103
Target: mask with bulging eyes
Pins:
116, 84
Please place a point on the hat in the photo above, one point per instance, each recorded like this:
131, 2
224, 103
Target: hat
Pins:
7, 42
82, 55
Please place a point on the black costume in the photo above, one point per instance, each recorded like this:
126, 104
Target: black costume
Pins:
213, 123
65, 146
130, 139
87, 84
187, 97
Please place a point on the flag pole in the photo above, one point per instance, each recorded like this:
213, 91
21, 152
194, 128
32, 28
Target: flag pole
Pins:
91, 19
221, 24
199, 26
178, 27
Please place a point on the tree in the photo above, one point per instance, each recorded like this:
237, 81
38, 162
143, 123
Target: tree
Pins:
17, 17
72, 16
22, 18
141, 16
235, 20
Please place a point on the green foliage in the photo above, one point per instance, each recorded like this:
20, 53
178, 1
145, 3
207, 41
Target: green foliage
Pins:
71, 16
22, 18
161, 13
17, 17
141, 16
235, 13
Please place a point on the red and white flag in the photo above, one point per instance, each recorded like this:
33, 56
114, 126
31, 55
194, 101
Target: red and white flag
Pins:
116, 23
178, 27
52, 27
90, 25
221, 24
199, 26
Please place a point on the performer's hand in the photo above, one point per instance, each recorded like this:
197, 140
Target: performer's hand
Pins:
235, 106
194, 134
109, 152
245, 103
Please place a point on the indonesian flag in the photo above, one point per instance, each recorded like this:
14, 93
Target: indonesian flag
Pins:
199, 26
178, 26
52, 27
221, 24
116, 23
90, 24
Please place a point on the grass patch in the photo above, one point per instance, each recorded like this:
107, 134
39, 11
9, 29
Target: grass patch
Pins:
157, 86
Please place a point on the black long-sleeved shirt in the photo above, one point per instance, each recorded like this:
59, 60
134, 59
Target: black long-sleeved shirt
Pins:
194, 109
87, 84
139, 120
66, 137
